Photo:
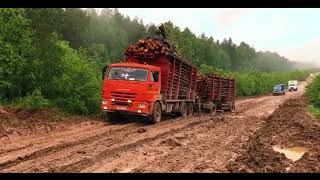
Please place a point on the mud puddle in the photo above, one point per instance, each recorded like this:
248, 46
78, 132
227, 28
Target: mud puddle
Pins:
293, 153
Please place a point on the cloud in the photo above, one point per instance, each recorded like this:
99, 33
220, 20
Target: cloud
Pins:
307, 52
263, 32
182, 17
229, 16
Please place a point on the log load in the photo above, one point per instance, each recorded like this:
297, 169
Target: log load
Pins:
178, 76
152, 46
212, 87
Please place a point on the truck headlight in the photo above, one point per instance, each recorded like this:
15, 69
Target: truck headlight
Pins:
129, 101
141, 105
112, 99
104, 102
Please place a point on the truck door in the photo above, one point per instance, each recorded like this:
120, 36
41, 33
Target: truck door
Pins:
154, 84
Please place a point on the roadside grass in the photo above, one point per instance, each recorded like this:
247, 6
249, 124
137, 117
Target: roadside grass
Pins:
315, 111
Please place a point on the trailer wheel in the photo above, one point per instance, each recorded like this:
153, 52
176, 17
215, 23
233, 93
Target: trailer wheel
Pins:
183, 112
190, 109
156, 113
214, 110
232, 107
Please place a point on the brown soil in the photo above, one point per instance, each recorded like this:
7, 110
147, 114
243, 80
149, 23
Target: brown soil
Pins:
18, 122
289, 126
195, 144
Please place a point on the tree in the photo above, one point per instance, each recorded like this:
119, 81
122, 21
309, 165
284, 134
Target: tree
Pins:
15, 52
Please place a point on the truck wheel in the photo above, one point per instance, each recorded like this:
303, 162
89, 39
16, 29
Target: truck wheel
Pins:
156, 113
110, 116
190, 109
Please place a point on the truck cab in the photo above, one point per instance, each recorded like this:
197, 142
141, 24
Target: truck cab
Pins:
130, 88
279, 90
293, 85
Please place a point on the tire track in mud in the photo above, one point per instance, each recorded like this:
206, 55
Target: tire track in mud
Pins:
175, 151
245, 105
52, 149
100, 148
136, 154
31, 141
78, 166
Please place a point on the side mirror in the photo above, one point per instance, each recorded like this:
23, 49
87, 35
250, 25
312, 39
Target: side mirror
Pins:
104, 71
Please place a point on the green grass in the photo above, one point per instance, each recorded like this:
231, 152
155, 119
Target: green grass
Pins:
314, 110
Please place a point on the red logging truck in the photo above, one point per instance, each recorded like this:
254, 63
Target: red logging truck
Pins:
155, 79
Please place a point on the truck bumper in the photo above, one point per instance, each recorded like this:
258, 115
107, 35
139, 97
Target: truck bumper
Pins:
135, 108
293, 89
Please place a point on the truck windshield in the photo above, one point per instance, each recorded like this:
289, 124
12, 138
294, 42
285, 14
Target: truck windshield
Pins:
292, 84
277, 87
128, 73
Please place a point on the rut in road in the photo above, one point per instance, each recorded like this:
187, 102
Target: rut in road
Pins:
79, 153
34, 148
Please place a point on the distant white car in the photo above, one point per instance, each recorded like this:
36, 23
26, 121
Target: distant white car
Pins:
293, 85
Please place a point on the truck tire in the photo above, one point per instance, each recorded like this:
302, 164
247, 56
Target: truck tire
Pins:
156, 113
183, 112
213, 110
110, 116
190, 109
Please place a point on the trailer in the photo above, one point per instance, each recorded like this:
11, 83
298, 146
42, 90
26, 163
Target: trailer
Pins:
215, 93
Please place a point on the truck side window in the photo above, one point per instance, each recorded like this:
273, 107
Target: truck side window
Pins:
154, 76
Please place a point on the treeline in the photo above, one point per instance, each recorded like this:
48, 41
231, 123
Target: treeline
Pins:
53, 57
255, 83
313, 94
252, 83
38, 68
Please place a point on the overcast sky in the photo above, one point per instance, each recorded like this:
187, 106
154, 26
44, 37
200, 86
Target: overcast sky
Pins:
293, 33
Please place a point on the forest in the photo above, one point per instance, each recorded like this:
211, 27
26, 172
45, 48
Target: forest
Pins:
52, 57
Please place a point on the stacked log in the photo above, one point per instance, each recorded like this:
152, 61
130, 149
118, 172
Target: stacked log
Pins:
227, 89
232, 89
224, 89
148, 45
209, 84
202, 86
182, 80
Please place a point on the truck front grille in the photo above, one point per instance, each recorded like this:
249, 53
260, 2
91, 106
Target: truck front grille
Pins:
121, 98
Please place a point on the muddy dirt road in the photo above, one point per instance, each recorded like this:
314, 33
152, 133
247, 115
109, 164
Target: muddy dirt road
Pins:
196, 144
